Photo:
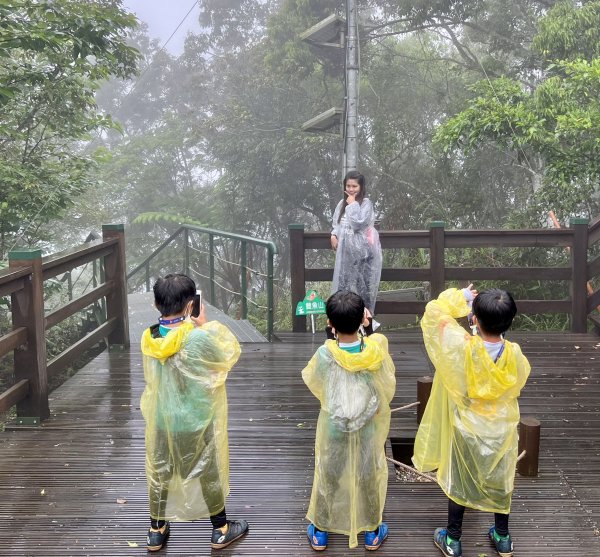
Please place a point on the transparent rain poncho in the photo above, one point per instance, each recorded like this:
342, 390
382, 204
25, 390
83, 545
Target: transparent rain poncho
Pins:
351, 472
185, 408
469, 429
358, 255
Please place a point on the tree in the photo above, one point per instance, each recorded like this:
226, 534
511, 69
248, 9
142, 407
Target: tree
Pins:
553, 129
53, 55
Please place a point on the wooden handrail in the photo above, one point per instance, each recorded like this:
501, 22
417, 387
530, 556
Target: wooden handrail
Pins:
24, 282
437, 240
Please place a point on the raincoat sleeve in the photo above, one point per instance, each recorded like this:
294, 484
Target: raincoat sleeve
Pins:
213, 347
313, 376
387, 374
360, 215
445, 340
335, 225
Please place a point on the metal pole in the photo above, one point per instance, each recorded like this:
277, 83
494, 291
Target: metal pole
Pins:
352, 67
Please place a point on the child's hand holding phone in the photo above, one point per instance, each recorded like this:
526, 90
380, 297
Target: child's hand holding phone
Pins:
198, 315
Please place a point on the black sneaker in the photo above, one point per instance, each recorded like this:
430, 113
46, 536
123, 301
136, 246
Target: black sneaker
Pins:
502, 544
237, 528
440, 539
157, 538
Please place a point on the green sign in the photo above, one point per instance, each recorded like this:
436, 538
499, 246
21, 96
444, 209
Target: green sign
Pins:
311, 305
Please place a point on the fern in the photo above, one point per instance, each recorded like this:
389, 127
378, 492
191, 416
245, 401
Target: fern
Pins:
159, 217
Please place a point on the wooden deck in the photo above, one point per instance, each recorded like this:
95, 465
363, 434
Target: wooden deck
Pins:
60, 484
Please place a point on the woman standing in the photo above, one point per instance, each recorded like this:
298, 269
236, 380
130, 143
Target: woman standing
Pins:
356, 242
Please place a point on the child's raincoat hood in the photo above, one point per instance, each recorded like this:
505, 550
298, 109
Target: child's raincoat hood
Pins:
370, 359
162, 348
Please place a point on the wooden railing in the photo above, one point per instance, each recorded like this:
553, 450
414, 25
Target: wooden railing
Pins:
579, 238
24, 282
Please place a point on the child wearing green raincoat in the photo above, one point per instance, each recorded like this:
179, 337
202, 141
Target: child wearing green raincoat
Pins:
354, 380
186, 361
469, 429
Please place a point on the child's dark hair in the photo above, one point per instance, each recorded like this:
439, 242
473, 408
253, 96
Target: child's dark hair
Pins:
345, 311
173, 292
495, 310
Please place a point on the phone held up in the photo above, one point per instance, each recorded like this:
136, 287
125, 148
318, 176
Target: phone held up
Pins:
197, 304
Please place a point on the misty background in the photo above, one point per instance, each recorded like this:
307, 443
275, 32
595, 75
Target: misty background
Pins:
478, 113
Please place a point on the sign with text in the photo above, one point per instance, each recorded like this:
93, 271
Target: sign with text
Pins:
311, 305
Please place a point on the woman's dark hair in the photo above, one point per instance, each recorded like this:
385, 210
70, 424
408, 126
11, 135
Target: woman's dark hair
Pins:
354, 175
345, 311
173, 292
495, 310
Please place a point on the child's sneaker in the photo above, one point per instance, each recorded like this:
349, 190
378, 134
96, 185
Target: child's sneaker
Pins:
157, 537
235, 530
373, 540
448, 546
317, 538
503, 544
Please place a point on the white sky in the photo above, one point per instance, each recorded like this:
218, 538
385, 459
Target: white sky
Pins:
163, 17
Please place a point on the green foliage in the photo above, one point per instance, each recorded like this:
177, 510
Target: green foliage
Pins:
52, 56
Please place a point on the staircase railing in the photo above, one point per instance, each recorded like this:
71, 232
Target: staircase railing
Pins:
206, 258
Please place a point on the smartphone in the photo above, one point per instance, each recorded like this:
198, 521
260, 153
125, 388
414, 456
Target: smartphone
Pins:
197, 304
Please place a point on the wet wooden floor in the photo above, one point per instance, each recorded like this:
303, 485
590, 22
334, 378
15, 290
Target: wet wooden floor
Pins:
60, 484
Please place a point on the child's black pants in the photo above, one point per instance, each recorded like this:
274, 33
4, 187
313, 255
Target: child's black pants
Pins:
455, 520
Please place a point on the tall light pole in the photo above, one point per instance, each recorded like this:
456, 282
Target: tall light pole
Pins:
352, 83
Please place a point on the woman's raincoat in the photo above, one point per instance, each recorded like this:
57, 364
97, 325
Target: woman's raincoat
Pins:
469, 429
358, 255
351, 473
185, 408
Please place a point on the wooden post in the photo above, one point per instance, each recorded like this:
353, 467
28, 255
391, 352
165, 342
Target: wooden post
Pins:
436, 258
424, 385
529, 441
298, 283
114, 269
579, 275
30, 361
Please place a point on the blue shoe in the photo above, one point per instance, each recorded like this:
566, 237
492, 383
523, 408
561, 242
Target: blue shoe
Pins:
157, 538
503, 545
373, 540
440, 539
317, 538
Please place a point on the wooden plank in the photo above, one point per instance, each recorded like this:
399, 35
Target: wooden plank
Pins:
12, 340
593, 268
509, 238
61, 313
12, 280
63, 261
14, 395
76, 350
93, 454
297, 272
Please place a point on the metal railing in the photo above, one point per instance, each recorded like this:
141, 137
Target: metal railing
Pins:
213, 261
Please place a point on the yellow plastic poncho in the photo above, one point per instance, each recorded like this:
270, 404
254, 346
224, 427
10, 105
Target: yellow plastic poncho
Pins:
185, 408
351, 473
469, 428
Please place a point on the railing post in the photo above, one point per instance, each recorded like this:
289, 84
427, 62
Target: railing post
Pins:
211, 267
116, 301
244, 279
270, 296
296, 232
27, 306
579, 275
436, 259
529, 441
186, 252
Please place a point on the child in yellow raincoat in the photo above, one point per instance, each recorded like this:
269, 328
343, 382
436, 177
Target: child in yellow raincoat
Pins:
354, 380
469, 428
186, 361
